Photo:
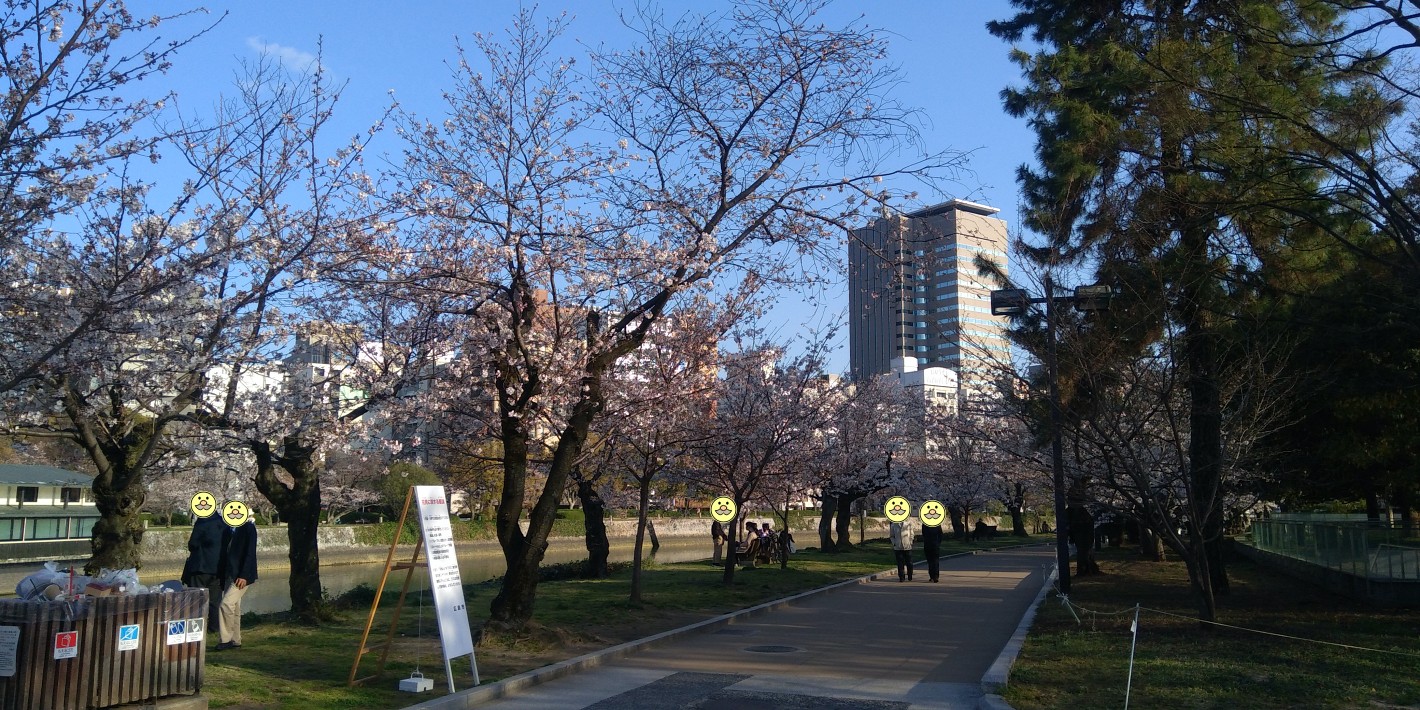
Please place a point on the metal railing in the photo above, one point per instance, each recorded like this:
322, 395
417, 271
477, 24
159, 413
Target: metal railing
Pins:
1374, 552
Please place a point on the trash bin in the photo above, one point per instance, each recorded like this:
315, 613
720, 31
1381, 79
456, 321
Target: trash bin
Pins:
99, 652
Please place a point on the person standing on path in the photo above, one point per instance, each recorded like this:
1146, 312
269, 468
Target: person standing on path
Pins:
902, 549
717, 535
238, 573
203, 567
932, 548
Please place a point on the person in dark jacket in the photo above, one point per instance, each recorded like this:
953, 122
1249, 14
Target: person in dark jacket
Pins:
932, 548
238, 573
204, 562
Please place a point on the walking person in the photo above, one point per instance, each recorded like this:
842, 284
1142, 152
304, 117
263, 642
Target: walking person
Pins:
717, 535
203, 567
932, 548
902, 549
238, 573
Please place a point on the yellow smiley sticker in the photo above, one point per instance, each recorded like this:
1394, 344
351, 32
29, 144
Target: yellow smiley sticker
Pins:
932, 513
235, 513
723, 509
203, 504
897, 509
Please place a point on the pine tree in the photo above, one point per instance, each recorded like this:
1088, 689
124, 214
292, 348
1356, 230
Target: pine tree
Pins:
1157, 167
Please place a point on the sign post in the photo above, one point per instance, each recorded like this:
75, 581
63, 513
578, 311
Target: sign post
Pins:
445, 583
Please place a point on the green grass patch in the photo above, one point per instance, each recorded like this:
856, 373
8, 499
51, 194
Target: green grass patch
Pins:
1180, 663
288, 666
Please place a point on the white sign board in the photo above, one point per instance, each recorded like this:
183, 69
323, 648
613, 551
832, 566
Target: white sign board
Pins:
9, 646
66, 645
196, 629
128, 637
444, 579
177, 632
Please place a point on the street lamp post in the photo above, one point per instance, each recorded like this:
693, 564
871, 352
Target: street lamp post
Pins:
1014, 302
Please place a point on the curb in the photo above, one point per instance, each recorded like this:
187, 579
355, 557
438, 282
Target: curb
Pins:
508, 686
995, 679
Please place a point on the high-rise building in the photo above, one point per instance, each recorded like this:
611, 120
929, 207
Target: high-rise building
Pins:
914, 291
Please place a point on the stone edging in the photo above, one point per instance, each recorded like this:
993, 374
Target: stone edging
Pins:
508, 686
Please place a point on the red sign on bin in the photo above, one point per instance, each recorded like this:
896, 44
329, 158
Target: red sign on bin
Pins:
66, 644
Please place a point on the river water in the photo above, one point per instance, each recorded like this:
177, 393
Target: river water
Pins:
478, 562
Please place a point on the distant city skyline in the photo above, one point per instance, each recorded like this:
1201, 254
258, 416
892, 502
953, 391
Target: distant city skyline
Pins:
951, 69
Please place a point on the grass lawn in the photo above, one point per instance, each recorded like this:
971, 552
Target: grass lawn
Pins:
286, 665
1182, 664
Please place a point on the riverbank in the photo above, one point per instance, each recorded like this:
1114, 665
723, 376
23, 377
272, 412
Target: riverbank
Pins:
165, 549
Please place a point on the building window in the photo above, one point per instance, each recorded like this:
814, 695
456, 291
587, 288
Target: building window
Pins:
48, 528
10, 528
26, 494
71, 495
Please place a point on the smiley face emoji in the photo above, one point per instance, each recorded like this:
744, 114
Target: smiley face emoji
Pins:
723, 509
897, 509
203, 504
932, 513
235, 513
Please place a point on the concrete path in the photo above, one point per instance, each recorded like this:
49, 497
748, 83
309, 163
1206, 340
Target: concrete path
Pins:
880, 644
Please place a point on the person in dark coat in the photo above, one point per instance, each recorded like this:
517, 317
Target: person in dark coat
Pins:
204, 562
238, 573
932, 548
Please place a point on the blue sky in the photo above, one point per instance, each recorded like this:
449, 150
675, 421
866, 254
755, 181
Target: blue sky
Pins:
952, 69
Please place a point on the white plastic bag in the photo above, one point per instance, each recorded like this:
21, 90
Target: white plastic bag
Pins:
126, 579
30, 587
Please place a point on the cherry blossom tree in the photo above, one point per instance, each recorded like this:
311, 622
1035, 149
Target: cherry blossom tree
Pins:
557, 218
873, 430
660, 399
76, 118
767, 406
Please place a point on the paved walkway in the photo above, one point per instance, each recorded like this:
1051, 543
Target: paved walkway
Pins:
881, 644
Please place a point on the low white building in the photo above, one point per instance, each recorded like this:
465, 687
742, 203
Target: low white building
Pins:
931, 387
45, 503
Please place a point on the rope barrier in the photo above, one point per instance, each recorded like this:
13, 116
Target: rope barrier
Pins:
1065, 599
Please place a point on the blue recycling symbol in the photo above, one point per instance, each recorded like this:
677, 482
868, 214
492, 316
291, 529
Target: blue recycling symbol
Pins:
128, 633
176, 627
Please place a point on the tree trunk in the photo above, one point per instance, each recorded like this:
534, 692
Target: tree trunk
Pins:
523, 552
116, 541
958, 522
1201, 581
825, 522
299, 505
1016, 506
643, 509
845, 521
598, 546
1151, 546
1082, 534
731, 545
